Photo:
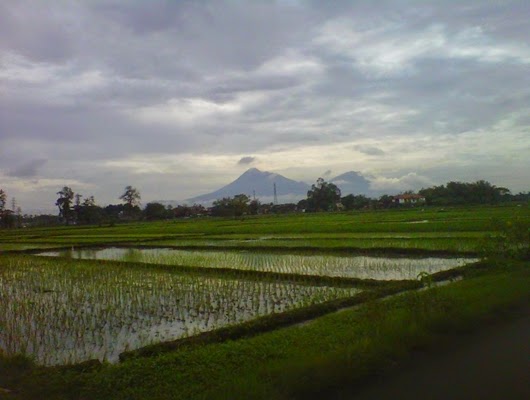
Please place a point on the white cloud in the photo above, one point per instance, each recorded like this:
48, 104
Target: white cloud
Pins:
473, 42
170, 97
191, 110
292, 63
393, 50
410, 181
35, 184
46, 82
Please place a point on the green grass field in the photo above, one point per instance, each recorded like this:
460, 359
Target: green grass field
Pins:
249, 312
449, 229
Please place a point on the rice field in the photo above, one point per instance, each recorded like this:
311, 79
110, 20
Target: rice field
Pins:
63, 312
68, 306
454, 244
362, 267
23, 246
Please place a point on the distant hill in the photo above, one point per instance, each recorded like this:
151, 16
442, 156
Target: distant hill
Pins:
262, 184
352, 183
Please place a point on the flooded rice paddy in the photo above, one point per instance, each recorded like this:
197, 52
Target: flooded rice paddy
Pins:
64, 312
363, 267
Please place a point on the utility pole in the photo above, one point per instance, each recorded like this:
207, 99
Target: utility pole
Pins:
275, 195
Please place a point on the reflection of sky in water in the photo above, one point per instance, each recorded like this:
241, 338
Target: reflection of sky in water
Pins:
364, 267
63, 312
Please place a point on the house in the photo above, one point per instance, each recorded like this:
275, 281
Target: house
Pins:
409, 199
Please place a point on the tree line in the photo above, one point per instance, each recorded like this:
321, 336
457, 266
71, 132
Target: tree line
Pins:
455, 193
74, 208
326, 196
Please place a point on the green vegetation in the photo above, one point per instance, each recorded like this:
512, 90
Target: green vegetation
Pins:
63, 312
335, 350
64, 203
451, 229
323, 196
22, 246
361, 267
512, 241
480, 192
207, 321
464, 244
232, 206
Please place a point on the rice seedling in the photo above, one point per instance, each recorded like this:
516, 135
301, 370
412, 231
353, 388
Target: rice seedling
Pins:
363, 267
61, 312
455, 244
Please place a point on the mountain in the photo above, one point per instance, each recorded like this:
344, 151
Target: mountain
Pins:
260, 183
352, 183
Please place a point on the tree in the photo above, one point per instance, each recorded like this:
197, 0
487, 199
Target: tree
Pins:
88, 212
3, 199
77, 205
302, 205
89, 202
253, 207
323, 196
184, 211
385, 201
64, 202
222, 207
240, 204
131, 198
155, 211
453, 193
5, 215
351, 202
228, 206
113, 212
198, 210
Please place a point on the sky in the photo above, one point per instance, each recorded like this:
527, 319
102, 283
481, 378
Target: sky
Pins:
178, 98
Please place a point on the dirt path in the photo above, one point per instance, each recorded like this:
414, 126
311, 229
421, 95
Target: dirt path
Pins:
493, 363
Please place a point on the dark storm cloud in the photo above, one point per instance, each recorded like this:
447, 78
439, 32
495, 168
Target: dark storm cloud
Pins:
125, 89
246, 160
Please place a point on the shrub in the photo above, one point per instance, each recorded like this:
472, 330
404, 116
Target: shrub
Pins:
511, 241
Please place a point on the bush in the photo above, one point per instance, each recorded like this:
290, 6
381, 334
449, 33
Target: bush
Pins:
511, 241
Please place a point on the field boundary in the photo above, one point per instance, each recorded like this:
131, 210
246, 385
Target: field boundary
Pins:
296, 250
336, 281
272, 322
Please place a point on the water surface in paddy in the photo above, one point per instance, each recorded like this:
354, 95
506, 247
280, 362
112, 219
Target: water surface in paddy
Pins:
363, 267
63, 312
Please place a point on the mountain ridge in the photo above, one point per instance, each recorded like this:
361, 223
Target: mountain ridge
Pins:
259, 183
352, 182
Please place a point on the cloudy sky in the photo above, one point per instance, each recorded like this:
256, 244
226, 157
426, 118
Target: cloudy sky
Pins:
178, 98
